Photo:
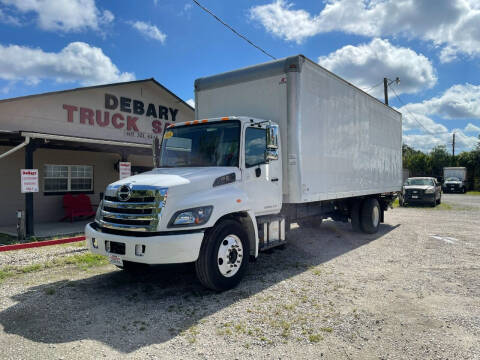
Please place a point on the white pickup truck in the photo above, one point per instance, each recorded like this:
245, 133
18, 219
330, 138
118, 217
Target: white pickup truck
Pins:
306, 146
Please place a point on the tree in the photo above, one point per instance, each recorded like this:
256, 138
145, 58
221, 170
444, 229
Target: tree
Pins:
439, 158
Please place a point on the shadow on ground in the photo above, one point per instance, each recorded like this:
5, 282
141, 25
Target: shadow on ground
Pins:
127, 311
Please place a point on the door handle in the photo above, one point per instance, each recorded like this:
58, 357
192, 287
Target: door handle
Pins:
274, 179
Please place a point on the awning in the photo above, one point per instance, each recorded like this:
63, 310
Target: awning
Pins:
34, 135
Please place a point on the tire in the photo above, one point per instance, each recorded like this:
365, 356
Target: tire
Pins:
439, 200
370, 216
227, 244
355, 215
314, 223
434, 202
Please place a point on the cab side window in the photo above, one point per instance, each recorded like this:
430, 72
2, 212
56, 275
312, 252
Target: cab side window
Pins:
255, 146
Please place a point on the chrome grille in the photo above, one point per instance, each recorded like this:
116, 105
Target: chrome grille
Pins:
141, 212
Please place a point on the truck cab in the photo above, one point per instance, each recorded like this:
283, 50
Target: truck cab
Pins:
215, 178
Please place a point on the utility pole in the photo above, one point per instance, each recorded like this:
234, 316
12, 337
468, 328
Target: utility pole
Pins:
453, 146
385, 89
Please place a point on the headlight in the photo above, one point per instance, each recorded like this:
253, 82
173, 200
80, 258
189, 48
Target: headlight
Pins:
430, 191
191, 217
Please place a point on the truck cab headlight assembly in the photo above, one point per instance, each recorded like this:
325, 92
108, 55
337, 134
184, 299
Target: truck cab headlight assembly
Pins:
430, 191
191, 217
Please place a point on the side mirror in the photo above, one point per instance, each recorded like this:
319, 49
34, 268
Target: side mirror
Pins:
272, 137
156, 152
271, 155
271, 152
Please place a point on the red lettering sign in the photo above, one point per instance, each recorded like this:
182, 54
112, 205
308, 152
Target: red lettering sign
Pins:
70, 109
132, 123
115, 123
86, 114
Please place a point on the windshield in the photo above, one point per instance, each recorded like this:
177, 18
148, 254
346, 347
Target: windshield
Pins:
209, 144
419, 182
453, 179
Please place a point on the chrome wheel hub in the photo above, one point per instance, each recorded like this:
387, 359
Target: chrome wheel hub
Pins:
230, 254
375, 216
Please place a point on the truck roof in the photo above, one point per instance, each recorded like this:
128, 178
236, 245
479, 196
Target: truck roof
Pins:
270, 68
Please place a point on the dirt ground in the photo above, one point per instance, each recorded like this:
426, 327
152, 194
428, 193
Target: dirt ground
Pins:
412, 291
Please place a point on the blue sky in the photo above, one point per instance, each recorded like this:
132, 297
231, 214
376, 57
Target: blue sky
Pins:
432, 46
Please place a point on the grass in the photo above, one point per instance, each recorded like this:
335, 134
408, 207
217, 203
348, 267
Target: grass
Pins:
396, 203
7, 239
476, 193
444, 206
82, 261
315, 338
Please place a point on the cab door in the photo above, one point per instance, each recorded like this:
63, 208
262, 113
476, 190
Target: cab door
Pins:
263, 181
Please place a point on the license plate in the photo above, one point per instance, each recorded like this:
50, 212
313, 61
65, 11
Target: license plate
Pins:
115, 260
414, 197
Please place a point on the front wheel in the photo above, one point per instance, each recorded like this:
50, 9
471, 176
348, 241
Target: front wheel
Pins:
223, 257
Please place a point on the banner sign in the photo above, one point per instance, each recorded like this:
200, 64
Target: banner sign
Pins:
29, 180
125, 169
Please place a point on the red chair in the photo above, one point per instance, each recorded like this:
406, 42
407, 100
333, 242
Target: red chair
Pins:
77, 206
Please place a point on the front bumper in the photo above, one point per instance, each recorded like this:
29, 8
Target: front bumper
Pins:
424, 198
159, 249
448, 188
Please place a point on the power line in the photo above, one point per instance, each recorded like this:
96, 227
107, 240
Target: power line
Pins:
232, 29
413, 116
374, 86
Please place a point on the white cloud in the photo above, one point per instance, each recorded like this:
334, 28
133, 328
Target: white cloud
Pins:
450, 24
191, 102
412, 121
150, 31
427, 142
472, 129
77, 62
64, 15
367, 64
457, 102
279, 19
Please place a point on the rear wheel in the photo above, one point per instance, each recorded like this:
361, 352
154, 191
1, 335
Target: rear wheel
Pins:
370, 216
223, 257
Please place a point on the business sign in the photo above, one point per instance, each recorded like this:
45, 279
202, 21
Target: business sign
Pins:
29, 180
134, 113
125, 169
123, 113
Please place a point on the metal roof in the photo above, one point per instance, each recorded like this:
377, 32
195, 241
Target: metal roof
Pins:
97, 87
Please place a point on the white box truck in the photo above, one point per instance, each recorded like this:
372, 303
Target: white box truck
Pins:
455, 179
278, 143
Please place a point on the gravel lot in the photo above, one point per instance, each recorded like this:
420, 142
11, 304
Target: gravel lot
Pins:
410, 291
